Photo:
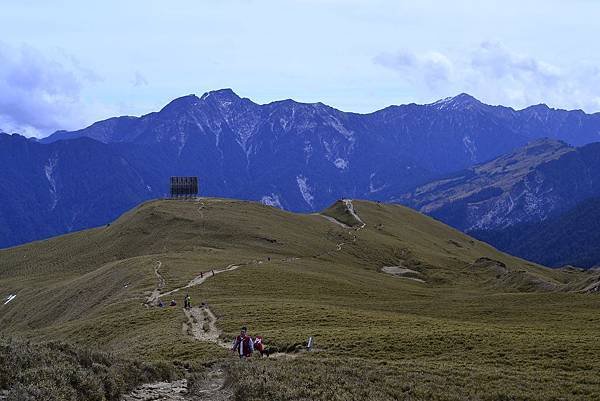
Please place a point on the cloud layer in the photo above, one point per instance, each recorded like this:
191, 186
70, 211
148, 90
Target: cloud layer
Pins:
496, 75
39, 94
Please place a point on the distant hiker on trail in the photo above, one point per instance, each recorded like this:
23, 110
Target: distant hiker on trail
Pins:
201, 274
213, 272
173, 303
187, 302
243, 345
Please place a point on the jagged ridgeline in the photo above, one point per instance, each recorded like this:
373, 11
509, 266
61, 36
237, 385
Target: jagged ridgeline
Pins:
400, 306
297, 156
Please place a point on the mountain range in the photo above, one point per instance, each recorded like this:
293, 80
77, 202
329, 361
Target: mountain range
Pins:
292, 155
539, 202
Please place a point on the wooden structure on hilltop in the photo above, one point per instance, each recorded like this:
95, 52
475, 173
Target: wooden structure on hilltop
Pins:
184, 187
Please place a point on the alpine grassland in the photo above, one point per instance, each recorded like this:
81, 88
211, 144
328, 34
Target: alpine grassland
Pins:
455, 320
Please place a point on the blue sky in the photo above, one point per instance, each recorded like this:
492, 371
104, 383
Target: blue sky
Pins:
65, 64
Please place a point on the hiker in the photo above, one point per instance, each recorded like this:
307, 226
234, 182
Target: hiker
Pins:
173, 303
187, 302
160, 303
201, 274
213, 272
260, 347
243, 344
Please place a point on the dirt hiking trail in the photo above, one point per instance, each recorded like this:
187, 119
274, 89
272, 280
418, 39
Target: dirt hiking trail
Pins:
202, 325
209, 389
154, 296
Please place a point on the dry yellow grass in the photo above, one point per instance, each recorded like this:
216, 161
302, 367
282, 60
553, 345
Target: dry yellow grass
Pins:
501, 328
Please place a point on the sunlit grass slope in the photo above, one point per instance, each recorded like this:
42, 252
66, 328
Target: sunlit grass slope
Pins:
480, 325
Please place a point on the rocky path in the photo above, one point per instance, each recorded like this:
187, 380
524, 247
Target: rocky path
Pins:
170, 391
209, 388
202, 325
350, 207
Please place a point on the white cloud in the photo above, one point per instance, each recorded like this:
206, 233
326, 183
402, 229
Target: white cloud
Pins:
39, 94
497, 75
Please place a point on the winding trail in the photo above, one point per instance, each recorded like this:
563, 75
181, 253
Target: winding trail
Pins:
156, 294
350, 208
205, 275
202, 325
161, 282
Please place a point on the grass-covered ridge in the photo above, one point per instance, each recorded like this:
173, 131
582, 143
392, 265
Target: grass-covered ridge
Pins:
482, 325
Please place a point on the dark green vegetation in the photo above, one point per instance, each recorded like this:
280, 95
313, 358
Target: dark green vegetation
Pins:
483, 325
569, 238
58, 370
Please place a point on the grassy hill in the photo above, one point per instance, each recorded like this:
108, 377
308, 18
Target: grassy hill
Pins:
457, 320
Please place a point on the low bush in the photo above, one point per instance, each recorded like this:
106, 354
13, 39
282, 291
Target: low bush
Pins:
60, 371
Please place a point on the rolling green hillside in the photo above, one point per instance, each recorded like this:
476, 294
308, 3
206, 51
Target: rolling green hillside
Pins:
400, 305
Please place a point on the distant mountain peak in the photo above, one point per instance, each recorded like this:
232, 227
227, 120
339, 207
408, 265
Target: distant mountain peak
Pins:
540, 106
225, 94
181, 102
465, 97
460, 101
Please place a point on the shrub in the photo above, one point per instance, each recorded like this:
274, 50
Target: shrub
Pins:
60, 371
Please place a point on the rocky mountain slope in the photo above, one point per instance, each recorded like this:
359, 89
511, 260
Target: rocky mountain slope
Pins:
538, 202
69, 185
292, 155
569, 238
542, 179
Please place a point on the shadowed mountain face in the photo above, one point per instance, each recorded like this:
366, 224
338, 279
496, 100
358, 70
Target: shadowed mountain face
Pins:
292, 155
68, 185
540, 180
539, 202
570, 238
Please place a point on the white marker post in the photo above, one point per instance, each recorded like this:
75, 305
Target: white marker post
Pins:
309, 344
10, 298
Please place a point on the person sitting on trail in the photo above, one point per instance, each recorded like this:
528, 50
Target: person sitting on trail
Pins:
160, 303
173, 303
243, 344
